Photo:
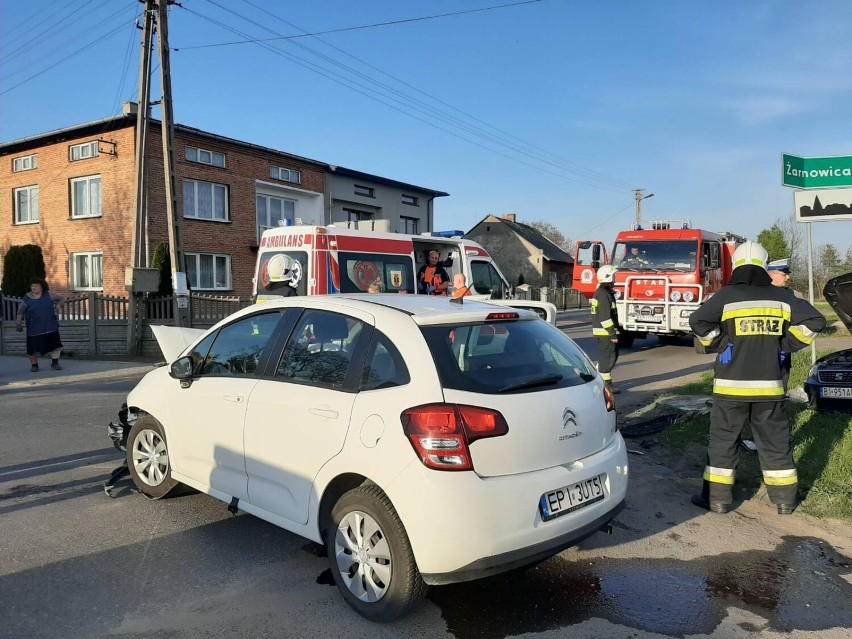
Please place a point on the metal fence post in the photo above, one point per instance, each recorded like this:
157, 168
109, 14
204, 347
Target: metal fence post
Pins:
93, 324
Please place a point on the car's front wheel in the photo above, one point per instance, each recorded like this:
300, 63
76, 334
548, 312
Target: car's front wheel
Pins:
148, 458
371, 557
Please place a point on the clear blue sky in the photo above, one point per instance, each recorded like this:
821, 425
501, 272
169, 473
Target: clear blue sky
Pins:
693, 101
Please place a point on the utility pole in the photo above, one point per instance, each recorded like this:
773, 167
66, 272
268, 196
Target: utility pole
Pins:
639, 198
143, 109
169, 162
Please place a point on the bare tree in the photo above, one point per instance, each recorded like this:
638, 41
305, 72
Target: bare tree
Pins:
549, 230
793, 236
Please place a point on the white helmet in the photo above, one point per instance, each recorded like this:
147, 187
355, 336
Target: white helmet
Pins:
750, 253
606, 273
280, 268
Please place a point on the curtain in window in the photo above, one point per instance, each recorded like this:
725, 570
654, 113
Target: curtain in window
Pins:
97, 271
205, 200
95, 196
23, 206
81, 271
220, 196
206, 274
222, 275
188, 198
33, 210
80, 198
274, 211
192, 270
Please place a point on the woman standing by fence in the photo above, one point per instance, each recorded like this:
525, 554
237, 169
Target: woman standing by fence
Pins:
38, 308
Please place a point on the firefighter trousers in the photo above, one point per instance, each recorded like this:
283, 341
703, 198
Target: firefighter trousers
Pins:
771, 432
607, 357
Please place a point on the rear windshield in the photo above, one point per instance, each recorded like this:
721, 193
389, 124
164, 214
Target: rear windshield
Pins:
507, 357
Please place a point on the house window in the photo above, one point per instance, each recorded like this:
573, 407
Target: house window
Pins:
202, 156
87, 271
285, 175
84, 151
365, 191
411, 200
86, 197
26, 205
357, 216
409, 225
208, 271
272, 211
205, 200
26, 163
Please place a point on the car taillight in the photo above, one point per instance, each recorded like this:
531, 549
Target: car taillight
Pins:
442, 433
502, 316
609, 398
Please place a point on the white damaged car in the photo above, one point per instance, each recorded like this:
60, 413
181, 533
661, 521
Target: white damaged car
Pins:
421, 440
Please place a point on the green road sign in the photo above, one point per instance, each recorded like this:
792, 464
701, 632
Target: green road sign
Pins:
816, 173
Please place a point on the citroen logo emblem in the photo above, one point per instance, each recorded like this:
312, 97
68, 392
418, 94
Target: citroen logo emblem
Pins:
568, 417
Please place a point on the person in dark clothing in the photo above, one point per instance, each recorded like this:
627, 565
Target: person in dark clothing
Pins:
280, 269
779, 273
38, 310
748, 323
605, 324
432, 278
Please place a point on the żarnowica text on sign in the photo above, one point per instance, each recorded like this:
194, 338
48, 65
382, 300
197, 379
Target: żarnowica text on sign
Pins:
816, 173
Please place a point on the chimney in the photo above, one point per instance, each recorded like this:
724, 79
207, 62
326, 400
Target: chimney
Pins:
129, 108
510, 216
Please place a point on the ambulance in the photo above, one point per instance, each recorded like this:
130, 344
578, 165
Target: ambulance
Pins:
325, 260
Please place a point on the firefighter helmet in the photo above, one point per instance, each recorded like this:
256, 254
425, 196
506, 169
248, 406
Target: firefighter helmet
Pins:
606, 273
280, 268
750, 253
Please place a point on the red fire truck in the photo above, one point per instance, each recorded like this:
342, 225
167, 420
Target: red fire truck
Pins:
664, 270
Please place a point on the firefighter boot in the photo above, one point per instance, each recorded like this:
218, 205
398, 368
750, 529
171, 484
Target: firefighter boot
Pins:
702, 500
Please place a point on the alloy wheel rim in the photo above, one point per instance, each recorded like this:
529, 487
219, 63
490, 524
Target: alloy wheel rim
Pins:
363, 556
150, 457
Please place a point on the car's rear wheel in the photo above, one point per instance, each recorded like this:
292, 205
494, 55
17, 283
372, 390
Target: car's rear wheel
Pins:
371, 557
148, 458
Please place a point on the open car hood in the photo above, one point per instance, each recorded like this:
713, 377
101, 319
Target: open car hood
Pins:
838, 293
174, 339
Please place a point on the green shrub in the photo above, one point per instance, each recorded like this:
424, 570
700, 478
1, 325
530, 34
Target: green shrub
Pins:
20, 264
163, 261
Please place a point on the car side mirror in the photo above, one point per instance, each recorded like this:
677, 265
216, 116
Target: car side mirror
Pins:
182, 369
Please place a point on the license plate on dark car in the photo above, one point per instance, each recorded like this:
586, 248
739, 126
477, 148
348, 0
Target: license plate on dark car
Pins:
572, 497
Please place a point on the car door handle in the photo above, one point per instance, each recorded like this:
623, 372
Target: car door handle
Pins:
237, 399
324, 412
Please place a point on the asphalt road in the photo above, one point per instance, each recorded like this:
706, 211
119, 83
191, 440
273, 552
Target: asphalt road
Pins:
77, 564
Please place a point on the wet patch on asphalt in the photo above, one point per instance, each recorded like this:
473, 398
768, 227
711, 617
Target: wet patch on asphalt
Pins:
799, 586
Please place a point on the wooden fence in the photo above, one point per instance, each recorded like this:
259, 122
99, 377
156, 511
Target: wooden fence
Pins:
92, 324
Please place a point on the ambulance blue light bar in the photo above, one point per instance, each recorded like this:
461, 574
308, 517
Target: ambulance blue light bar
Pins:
447, 233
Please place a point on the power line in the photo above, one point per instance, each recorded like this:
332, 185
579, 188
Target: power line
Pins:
406, 103
58, 62
611, 217
567, 164
126, 66
403, 108
364, 26
7, 39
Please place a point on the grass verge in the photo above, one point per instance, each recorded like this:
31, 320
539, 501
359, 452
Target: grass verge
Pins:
822, 447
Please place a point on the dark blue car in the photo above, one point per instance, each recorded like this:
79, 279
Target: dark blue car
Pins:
829, 386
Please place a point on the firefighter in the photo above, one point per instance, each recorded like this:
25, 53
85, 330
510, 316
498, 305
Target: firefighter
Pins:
635, 259
748, 323
605, 324
432, 278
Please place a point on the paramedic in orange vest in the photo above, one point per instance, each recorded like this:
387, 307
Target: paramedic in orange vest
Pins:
460, 284
432, 279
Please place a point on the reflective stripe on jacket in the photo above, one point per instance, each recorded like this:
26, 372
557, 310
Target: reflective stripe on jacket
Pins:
760, 321
604, 313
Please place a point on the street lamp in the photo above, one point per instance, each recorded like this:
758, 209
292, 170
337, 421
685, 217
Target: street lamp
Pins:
639, 198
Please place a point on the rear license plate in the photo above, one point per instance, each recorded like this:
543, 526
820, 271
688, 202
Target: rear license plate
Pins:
573, 497
830, 391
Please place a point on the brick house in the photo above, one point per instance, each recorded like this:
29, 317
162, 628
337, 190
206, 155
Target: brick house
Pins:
522, 250
72, 192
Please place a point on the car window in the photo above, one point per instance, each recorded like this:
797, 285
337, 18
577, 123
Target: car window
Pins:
395, 272
384, 366
320, 348
519, 356
486, 279
237, 347
199, 353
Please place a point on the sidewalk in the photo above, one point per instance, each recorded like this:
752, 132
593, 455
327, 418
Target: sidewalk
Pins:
15, 371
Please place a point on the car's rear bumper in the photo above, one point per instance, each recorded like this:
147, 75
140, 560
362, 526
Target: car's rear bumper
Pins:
463, 526
494, 565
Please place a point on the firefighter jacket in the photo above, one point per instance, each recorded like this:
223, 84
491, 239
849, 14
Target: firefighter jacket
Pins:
760, 321
604, 314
